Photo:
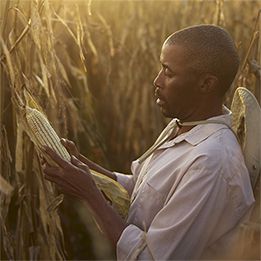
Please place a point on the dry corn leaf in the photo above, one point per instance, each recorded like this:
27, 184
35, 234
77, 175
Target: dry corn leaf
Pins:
62, 70
55, 203
36, 26
5, 186
117, 194
8, 61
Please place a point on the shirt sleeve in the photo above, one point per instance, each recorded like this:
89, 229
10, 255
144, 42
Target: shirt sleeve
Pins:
131, 244
183, 227
126, 180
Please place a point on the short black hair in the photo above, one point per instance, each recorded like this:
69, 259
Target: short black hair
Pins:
211, 49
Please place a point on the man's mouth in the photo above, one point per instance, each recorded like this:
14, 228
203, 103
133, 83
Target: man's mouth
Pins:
160, 102
159, 99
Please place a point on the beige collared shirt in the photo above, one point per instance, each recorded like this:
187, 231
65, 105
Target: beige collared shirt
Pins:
196, 189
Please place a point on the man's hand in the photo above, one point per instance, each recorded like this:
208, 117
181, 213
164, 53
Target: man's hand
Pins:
73, 177
73, 151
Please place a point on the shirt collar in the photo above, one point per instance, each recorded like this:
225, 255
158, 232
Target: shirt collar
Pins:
202, 131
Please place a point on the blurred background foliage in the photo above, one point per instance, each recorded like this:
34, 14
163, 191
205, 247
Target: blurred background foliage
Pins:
89, 65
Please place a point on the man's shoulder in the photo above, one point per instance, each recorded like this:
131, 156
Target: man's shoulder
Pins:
220, 148
221, 142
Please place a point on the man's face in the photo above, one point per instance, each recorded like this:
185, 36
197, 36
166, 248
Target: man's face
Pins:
176, 86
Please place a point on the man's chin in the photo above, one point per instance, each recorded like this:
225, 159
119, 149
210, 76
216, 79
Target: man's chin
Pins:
165, 113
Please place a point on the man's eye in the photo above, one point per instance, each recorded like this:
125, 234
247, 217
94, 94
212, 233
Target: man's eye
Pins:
167, 72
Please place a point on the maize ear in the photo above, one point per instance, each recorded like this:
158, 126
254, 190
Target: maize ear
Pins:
42, 133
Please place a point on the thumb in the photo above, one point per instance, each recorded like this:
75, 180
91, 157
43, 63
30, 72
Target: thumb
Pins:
70, 146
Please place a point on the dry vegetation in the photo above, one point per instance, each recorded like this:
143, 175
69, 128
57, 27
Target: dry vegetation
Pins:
89, 65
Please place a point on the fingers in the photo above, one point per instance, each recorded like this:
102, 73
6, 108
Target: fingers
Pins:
59, 181
66, 183
55, 157
51, 178
51, 170
69, 191
52, 173
42, 159
65, 142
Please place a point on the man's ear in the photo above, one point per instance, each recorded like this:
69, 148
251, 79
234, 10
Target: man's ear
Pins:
208, 83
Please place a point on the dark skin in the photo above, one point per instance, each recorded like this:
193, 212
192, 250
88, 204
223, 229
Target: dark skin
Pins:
70, 146
183, 93
180, 93
74, 178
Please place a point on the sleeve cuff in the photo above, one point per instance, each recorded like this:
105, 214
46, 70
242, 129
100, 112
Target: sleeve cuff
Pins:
126, 181
131, 243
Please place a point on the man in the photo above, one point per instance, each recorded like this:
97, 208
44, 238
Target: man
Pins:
192, 187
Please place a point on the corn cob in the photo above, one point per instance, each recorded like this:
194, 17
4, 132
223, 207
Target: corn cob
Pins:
42, 133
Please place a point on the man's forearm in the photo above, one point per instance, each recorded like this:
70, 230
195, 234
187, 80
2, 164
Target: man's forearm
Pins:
108, 219
96, 167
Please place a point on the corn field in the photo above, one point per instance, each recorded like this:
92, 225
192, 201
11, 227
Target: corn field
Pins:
89, 66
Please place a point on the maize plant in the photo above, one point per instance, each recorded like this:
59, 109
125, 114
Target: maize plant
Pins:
88, 67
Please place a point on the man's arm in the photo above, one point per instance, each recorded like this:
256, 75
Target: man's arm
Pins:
197, 213
96, 167
74, 178
125, 180
71, 147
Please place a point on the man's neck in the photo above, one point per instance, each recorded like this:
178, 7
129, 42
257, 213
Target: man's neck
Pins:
206, 114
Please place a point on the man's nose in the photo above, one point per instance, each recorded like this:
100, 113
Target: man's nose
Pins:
158, 80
